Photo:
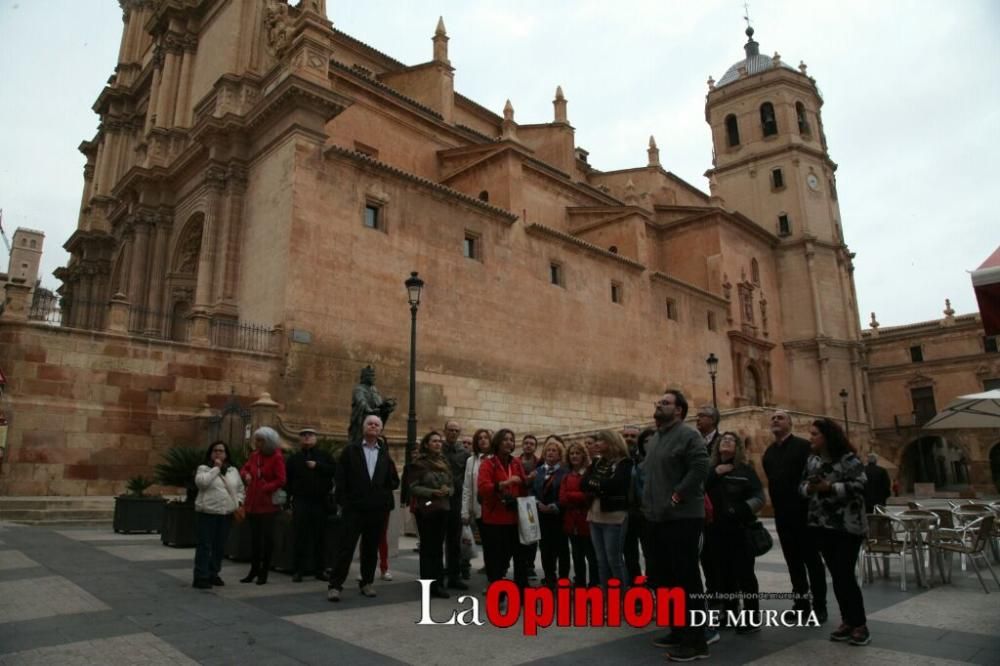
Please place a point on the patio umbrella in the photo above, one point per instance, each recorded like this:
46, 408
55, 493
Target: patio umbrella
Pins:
978, 410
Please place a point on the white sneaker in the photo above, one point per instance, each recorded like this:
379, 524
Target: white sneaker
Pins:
333, 594
367, 591
386, 575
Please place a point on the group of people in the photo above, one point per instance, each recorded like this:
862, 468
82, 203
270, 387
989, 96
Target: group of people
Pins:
686, 497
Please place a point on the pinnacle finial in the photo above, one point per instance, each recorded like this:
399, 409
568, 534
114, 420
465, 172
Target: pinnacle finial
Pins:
440, 40
508, 111
559, 107
948, 311
874, 322
653, 152
440, 27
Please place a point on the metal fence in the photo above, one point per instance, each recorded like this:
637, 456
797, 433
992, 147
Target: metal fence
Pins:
240, 335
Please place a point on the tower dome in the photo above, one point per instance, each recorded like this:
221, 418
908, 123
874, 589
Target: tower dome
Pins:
755, 63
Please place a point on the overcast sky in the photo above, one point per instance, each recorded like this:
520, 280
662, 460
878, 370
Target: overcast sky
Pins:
911, 90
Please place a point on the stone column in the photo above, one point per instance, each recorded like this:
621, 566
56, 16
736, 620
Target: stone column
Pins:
182, 113
264, 412
165, 100
137, 272
200, 318
154, 91
824, 379
814, 289
18, 302
118, 314
154, 298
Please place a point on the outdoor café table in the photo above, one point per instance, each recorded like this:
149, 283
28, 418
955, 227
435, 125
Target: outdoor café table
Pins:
918, 525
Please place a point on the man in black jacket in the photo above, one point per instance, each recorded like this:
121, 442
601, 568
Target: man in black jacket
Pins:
784, 461
878, 488
310, 475
366, 477
456, 455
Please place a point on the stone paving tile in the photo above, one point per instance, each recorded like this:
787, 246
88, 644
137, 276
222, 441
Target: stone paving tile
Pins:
44, 597
828, 652
144, 649
278, 583
149, 552
106, 535
15, 559
955, 606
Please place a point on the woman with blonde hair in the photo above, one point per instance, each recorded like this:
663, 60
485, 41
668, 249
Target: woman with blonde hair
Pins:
554, 545
737, 495
608, 479
574, 502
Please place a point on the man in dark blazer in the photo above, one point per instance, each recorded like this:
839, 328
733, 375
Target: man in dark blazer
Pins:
310, 475
366, 477
784, 461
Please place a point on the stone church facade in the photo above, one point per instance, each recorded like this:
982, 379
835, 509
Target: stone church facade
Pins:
259, 175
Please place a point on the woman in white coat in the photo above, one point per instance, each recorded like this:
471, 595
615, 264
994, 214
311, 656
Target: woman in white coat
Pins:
472, 512
220, 494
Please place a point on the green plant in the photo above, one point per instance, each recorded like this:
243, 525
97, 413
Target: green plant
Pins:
180, 463
137, 486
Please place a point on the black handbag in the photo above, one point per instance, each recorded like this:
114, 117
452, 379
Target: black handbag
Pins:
759, 540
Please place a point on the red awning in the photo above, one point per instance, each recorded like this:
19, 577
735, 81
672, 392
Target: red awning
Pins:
986, 283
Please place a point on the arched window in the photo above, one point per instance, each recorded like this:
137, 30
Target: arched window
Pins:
768, 121
732, 131
755, 271
800, 114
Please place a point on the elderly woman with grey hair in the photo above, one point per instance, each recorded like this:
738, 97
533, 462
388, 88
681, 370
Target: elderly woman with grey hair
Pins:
264, 474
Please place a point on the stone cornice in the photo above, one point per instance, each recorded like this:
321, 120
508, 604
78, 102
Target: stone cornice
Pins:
736, 334
780, 149
657, 276
742, 86
814, 343
537, 229
413, 178
705, 216
908, 369
891, 334
659, 169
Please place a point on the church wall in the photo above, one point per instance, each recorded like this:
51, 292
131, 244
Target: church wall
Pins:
474, 121
406, 145
796, 295
90, 410
264, 254
628, 234
218, 45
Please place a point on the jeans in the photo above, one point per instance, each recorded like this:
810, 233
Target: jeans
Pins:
731, 563
213, 530
840, 551
383, 546
609, 546
453, 543
635, 539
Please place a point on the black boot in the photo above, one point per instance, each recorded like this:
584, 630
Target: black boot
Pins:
202, 584
262, 578
438, 591
249, 578
457, 583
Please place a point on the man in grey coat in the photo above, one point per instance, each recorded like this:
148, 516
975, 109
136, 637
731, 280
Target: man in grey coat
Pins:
673, 502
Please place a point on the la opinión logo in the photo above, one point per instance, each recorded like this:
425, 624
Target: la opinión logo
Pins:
566, 606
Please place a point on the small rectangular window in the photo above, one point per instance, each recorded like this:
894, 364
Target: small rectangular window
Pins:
556, 274
917, 354
784, 226
711, 321
373, 216
777, 180
470, 246
671, 309
990, 343
616, 292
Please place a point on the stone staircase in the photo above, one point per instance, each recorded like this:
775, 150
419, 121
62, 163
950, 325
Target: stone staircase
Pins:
57, 510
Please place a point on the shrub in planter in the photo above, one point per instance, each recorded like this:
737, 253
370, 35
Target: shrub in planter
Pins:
178, 468
135, 512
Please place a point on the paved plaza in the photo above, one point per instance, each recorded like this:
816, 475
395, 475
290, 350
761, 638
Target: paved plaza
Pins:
89, 596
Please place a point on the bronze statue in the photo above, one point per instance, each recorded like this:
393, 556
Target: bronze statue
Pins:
366, 400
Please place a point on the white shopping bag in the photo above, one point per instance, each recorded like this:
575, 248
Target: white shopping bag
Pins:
528, 528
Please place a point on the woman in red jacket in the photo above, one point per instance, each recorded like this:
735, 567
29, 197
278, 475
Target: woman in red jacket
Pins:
501, 482
575, 503
263, 474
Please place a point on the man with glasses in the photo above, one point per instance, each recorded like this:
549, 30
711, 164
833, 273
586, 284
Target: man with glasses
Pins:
784, 461
673, 501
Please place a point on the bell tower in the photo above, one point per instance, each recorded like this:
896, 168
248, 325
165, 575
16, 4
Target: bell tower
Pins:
770, 163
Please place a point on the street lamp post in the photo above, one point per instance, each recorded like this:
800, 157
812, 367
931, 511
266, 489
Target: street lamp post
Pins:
713, 367
413, 286
843, 402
